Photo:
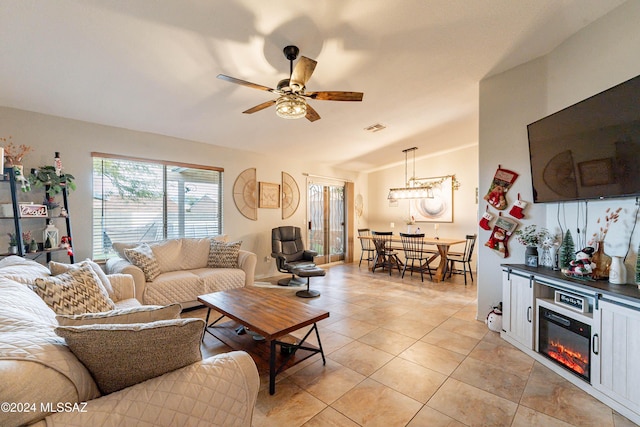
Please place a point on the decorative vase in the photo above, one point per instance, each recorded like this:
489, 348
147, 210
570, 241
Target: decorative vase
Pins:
13, 249
531, 256
553, 250
602, 262
546, 258
33, 246
617, 271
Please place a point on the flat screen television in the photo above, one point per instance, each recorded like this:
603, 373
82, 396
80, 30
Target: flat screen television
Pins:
590, 150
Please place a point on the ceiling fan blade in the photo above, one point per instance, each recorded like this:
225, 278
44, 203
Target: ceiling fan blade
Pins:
335, 96
303, 70
312, 115
244, 83
260, 107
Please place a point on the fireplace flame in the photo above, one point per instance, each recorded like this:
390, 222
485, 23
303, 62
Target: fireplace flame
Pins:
570, 358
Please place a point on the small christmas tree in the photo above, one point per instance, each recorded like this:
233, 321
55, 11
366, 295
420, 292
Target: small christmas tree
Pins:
567, 250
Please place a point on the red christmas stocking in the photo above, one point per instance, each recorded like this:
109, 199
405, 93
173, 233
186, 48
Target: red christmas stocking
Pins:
517, 210
502, 181
502, 231
486, 218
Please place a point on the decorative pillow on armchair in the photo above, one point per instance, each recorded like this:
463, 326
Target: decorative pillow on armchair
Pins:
224, 255
74, 292
122, 355
142, 256
60, 267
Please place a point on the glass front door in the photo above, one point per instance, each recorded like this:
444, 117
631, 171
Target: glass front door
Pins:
327, 222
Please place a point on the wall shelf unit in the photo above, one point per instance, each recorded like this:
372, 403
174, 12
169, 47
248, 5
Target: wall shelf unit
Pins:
61, 222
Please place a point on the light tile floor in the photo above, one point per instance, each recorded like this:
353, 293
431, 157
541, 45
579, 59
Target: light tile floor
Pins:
404, 353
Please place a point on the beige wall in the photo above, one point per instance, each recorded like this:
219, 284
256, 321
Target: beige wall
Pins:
600, 56
76, 140
462, 162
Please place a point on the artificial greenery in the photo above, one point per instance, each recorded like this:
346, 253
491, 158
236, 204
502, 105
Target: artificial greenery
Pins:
531, 236
46, 176
567, 250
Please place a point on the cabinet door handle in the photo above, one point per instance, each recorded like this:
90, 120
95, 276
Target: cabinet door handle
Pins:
529, 314
595, 344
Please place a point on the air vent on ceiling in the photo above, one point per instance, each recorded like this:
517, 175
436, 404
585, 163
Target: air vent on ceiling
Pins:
375, 128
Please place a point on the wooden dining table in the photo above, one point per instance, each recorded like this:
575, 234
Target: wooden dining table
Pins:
442, 245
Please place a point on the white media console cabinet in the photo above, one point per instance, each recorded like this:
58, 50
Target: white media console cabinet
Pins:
586, 331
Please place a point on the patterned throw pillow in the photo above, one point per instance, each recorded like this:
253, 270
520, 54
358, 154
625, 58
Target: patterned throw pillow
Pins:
142, 314
118, 356
74, 292
224, 255
142, 256
60, 267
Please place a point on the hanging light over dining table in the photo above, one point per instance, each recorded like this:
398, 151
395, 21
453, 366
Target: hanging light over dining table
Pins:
415, 188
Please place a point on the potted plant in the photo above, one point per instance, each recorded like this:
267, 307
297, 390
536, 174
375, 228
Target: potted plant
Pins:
14, 154
53, 180
47, 176
13, 243
409, 221
532, 237
26, 239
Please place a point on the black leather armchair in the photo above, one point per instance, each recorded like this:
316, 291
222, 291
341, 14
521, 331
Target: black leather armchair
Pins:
289, 252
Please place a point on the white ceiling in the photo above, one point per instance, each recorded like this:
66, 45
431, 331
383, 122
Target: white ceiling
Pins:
150, 65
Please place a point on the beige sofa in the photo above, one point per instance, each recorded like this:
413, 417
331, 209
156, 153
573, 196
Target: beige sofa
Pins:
44, 383
184, 272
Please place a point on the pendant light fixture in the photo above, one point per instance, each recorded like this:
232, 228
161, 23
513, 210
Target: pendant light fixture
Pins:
414, 188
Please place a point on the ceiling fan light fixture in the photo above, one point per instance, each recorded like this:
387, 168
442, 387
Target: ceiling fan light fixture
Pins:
291, 106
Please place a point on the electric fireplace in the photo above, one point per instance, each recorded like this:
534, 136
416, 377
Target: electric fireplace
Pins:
565, 340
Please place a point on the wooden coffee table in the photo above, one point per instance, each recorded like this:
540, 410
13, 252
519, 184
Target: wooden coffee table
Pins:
270, 316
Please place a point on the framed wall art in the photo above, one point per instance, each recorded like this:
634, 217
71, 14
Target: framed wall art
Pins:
244, 194
290, 195
269, 195
596, 172
438, 208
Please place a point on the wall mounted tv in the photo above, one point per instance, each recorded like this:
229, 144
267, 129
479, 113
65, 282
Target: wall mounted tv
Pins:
590, 150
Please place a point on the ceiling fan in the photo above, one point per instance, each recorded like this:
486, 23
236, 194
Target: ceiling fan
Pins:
292, 100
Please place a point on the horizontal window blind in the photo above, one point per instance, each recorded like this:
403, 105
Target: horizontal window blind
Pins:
141, 201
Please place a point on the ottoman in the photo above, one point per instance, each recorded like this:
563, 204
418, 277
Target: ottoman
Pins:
308, 273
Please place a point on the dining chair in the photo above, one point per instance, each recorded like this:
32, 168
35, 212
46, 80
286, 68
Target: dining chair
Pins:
386, 256
413, 246
463, 257
368, 249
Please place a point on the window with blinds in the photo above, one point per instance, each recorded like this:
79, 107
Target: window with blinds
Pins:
136, 200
